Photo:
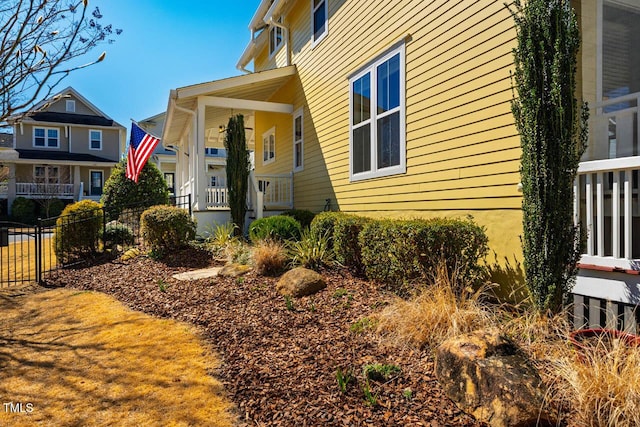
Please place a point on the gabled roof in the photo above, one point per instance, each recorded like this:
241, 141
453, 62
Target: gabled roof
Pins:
39, 112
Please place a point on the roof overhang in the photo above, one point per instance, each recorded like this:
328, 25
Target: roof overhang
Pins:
249, 92
268, 11
65, 163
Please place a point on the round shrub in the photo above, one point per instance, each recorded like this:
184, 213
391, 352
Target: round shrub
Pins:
278, 227
23, 210
303, 216
165, 228
117, 233
121, 192
56, 206
323, 224
77, 231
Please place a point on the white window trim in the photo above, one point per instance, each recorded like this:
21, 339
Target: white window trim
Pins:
70, 106
317, 41
91, 171
46, 137
266, 135
371, 68
278, 46
296, 114
100, 133
46, 177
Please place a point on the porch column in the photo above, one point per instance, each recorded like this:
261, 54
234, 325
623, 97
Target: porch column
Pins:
76, 182
11, 186
200, 167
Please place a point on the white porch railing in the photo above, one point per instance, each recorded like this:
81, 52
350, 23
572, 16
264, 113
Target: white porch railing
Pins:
276, 192
36, 190
606, 203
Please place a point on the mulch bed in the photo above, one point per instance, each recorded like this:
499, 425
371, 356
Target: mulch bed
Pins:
279, 364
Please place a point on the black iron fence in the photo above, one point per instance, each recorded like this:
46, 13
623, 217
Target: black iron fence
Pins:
31, 253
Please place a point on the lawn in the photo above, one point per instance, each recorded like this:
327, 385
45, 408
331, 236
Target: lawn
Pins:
81, 358
18, 260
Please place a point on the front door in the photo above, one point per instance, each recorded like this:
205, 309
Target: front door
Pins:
97, 180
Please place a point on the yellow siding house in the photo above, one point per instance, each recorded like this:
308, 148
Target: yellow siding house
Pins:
402, 109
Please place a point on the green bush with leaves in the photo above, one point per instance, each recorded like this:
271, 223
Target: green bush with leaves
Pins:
400, 252
164, 228
323, 225
120, 192
278, 227
23, 210
346, 245
77, 231
311, 251
303, 216
117, 233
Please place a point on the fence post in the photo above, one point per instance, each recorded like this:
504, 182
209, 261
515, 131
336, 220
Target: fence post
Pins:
38, 238
189, 198
104, 228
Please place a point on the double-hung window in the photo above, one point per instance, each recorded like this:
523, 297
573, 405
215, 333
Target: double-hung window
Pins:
377, 117
95, 139
276, 37
46, 137
319, 20
298, 141
269, 146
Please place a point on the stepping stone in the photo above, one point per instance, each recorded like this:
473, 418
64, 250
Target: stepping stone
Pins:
204, 273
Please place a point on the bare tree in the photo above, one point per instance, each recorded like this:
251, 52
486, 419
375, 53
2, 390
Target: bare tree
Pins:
39, 40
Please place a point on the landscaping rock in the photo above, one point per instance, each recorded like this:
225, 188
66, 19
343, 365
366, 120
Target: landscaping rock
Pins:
234, 270
300, 282
485, 375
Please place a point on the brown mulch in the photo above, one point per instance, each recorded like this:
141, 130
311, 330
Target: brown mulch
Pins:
279, 365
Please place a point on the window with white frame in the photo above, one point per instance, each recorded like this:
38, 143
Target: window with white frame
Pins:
298, 141
377, 117
71, 106
319, 20
269, 146
276, 37
46, 137
46, 174
95, 139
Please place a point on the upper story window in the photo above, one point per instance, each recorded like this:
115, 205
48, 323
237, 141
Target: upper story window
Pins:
298, 141
95, 139
269, 146
319, 21
377, 118
71, 106
208, 151
276, 37
46, 137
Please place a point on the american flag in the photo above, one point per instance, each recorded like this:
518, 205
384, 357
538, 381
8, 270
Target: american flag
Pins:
141, 145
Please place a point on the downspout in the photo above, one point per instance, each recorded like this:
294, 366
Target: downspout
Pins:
285, 34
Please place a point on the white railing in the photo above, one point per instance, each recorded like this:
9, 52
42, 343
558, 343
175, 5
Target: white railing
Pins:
217, 197
606, 203
36, 189
277, 190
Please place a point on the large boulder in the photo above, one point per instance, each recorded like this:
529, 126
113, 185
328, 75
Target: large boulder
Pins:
300, 282
486, 376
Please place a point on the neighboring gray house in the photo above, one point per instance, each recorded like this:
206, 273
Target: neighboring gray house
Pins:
64, 147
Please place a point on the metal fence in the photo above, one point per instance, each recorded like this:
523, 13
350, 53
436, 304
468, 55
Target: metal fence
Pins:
31, 253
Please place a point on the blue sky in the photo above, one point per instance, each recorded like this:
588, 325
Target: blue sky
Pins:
164, 45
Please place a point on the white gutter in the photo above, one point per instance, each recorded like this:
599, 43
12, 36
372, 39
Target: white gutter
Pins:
258, 17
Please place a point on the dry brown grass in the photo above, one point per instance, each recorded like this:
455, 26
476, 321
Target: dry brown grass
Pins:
433, 316
19, 260
81, 358
270, 257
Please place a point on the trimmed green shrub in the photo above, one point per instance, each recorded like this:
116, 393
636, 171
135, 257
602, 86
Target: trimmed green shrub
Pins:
323, 224
23, 210
399, 252
278, 227
346, 247
56, 206
77, 231
120, 192
165, 228
303, 216
117, 233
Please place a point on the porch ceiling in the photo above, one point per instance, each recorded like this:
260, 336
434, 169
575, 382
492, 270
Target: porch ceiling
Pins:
183, 102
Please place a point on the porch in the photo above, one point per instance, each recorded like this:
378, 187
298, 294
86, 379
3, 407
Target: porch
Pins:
276, 192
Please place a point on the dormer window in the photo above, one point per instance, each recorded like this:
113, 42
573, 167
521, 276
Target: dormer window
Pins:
318, 20
71, 106
276, 38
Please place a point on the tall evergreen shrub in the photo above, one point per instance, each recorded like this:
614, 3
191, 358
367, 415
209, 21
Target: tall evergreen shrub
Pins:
237, 170
553, 132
